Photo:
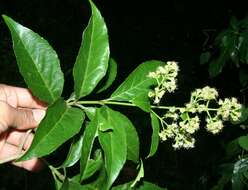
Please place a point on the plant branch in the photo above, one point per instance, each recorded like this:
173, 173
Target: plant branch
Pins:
109, 102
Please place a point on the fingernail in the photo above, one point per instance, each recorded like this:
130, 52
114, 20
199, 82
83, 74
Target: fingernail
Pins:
39, 114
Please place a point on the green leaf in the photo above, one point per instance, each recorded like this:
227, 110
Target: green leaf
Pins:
57, 183
232, 148
113, 143
243, 76
137, 82
228, 42
89, 136
155, 134
37, 61
74, 153
142, 101
234, 22
143, 186
216, 66
101, 179
60, 124
226, 171
93, 165
111, 74
205, 57
125, 186
90, 112
244, 116
244, 23
148, 186
140, 174
184, 116
243, 142
72, 185
132, 138
238, 178
243, 50
92, 60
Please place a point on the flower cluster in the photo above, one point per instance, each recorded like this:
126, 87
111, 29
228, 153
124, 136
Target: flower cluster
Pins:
181, 138
165, 77
229, 108
181, 123
205, 93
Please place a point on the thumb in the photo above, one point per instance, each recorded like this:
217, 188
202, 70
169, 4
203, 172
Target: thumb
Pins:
26, 118
19, 118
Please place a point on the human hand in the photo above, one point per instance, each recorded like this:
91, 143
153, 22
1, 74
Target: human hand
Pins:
19, 112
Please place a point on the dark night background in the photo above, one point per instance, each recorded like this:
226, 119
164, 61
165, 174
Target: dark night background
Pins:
138, 31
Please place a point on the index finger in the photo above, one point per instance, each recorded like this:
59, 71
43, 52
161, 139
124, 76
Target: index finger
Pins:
20, 97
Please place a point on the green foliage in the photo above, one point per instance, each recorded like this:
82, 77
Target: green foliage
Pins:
103, 139
240, 174
60, 124
37, 61
137, 82
111, 74
155, 137
92, 60
232, 46
74, 153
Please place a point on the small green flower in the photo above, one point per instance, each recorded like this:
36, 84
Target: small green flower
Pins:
166, 80
214, 126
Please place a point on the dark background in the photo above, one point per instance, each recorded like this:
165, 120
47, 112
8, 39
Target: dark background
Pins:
138, 31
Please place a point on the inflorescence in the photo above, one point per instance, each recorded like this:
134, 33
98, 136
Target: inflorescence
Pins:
181, 123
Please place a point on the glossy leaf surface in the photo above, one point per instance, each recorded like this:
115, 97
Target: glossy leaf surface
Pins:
240, 172
140, 175
71, 185
142, 101
111, 74
60, 124
132, 137
244, 47
113, 143
155, 136
93, 165
143, 186
74, 153
137, 82
37, 61
90, 112
89, 136
92, 60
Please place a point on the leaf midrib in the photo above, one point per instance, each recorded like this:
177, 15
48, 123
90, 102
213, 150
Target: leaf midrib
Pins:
50, 131
88, 57
130, 89
42, 79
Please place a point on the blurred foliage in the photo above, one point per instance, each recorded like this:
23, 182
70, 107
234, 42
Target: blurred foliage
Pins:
230, 48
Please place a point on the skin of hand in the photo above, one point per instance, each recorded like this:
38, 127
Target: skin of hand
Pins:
19, 112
